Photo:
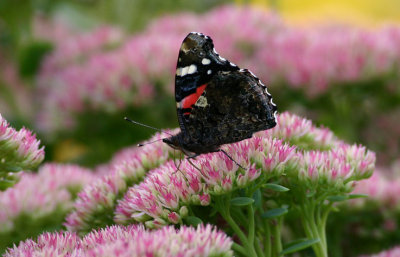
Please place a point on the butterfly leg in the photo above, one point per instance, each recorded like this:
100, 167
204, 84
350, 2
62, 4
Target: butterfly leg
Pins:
193, 157
179, 164
227, 155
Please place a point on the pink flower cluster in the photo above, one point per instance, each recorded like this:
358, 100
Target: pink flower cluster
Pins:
42, 194
128, 167
301, 132
122, 241
82, 46
340, 165
166, 193
313, 60
18, 149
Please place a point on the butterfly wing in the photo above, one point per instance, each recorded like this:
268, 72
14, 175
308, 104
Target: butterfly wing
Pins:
197, 64
217, 103
232, 107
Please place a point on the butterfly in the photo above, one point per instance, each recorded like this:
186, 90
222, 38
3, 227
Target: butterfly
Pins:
217, 102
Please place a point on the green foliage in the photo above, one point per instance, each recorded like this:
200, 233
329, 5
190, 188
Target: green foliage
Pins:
30, 58
105, 133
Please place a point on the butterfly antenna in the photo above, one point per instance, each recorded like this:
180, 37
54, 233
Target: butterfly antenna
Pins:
227, 155
147, 126
143, 144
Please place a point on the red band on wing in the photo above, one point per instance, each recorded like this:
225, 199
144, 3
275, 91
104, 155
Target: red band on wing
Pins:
190, 100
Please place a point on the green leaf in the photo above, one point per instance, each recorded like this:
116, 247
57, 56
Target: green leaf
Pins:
295, 247
193, 221
335, 209
257, 198
31, 56
276, 187
274, 213
242, 201
12, 168
354, 196
337, 198
294, 242
4, 184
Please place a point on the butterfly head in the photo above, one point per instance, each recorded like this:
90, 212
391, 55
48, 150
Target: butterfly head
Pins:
197, 55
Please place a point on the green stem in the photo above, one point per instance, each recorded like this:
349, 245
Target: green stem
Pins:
314, 227
324, 217
225, 213
240, 249
267, 239
276, 237
251, 224
258, 248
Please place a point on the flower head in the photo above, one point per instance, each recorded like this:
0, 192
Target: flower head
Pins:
127, 168
19, 149
300, 132
38, 195
129, 241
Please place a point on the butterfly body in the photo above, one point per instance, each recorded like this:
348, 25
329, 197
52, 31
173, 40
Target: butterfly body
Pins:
217, 102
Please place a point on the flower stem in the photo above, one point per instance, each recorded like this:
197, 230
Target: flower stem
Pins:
276, 236
251, 224
314, 226
238, 248
258, 248
267, 239
225, 213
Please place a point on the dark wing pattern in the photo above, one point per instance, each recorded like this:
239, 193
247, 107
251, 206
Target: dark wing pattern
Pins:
233, 106
217, 103
197, 64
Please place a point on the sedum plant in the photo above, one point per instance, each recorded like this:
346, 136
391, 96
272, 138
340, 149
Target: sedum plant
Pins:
130, 241
294, 169
19, 150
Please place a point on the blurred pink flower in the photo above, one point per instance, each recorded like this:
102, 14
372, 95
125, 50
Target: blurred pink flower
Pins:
382, 188
129, 241
313, 60
39, 195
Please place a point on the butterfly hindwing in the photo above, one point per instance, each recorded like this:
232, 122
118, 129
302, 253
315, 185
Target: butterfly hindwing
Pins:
233, 106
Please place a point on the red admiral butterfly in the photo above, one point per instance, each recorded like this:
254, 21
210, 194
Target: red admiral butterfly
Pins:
217, 102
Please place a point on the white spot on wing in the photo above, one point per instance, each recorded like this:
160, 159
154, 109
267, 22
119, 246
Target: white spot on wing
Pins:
222, 58
232, 64
192, 69
209, 72
205, 61
184, 71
